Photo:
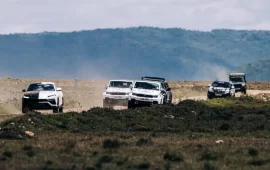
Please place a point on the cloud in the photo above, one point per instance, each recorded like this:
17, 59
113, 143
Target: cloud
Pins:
69, 15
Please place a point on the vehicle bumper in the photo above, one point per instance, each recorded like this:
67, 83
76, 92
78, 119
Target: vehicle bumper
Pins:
145, 101
116, 99
212, 94
240, 89
39, 103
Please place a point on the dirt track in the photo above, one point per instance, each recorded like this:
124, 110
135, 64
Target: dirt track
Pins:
86, 94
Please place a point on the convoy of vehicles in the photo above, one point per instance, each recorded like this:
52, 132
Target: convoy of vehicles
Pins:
131, 93
44, 95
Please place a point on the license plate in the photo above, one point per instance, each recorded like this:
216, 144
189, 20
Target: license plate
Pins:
237, 88
218, 94
144, 99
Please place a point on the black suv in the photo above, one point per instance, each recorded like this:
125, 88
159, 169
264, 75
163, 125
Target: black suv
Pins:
239, 82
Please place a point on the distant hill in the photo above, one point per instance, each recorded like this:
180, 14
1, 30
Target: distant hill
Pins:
257, 71
131, 52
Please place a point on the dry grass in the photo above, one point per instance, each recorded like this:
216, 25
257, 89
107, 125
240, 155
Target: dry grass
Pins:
168, 151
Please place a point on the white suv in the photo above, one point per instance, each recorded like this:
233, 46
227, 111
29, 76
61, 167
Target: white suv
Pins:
117, 93
147, 93
44, 95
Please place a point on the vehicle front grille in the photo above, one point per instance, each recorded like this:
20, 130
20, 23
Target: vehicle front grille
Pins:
32, 101
144, 95
237, 85
117, 93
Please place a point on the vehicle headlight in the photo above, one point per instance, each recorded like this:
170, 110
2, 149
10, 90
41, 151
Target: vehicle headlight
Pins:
227, 91
210, 90
243, 84
134, 94
155, 96
52, 95
26, 97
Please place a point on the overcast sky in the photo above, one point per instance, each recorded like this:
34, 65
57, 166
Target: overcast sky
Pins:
69, 15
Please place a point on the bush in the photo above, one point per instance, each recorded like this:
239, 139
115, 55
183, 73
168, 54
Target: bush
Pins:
144, 142
111, 144
7, 154
173, 157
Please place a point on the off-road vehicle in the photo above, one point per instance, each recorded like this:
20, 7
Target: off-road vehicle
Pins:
147, 93
239, 82
44, 95
164, 85
221, 89
116, 93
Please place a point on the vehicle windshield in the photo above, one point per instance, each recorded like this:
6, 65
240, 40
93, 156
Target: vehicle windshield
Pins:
221, 84
147, 85
120, 84
41, 87
237, 79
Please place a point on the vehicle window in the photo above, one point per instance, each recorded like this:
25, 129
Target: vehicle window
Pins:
166, 85
120, 84
221, 84
147, 85
41, 87
237, 79
163, 85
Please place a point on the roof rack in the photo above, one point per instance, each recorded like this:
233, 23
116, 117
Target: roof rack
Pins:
153, 78
237, 74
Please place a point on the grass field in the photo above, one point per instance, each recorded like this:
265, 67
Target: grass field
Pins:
183, 136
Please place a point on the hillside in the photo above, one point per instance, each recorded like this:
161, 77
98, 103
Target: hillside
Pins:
131, 53
258, 71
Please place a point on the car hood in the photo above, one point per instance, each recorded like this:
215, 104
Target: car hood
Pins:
121, 90
145, 91
39, 94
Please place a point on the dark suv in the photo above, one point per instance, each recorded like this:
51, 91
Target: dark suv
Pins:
239, 82
164, 84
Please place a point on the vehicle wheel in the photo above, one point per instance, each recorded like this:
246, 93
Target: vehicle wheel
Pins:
61, 109
25, 110
56, 110
245, 91
105, 104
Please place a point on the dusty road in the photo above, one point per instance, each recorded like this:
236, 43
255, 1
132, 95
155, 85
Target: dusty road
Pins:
86, 94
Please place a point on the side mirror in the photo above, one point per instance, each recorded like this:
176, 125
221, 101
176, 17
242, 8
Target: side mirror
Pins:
59, 89
105, 87
130, 87
168, 89
23, 90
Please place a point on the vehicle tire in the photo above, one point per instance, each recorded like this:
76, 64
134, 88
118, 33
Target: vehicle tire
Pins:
56, 110
245, 91
209, 97
61, 109
131, 105
105, 104
25, 109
